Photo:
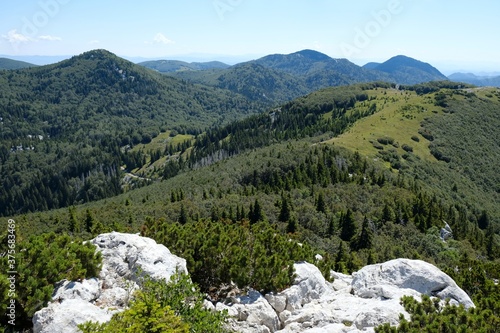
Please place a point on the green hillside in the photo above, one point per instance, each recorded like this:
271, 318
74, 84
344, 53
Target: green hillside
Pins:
390, 166
359, 174
66, 128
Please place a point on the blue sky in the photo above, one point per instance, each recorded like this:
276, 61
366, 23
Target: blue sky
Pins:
451, 35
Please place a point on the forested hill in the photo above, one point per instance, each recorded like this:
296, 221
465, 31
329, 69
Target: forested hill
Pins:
62, 125
406, 70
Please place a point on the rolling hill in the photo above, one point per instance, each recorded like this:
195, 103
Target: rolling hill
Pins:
406, 70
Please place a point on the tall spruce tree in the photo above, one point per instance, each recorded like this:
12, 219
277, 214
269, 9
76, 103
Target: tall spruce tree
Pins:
347, 226
320, 204
365, 238
284, 211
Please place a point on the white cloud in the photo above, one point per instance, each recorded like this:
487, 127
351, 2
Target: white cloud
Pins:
49, 38
161, 39
14, 37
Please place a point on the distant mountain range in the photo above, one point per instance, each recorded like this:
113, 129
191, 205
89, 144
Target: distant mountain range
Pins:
482, 81
6, 63
167, 66
280, 77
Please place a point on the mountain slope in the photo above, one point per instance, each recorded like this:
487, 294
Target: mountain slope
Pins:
6, 63
309, 63
406, 70
63, 126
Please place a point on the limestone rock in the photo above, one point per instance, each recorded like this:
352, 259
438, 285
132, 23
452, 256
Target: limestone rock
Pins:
357, 303
126, 257
387, 280
254, 311
64, 317
445, 232
309, 284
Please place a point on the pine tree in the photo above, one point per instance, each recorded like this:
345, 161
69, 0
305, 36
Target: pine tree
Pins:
365, 237
89, 221
387, 214
483, 221
331, 227
341, 259
183, 215
284, 211
371, 258
74, 224
320, 204
256, 213
291, 227
348, 226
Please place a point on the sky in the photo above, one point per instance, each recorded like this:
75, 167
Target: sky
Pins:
451, 35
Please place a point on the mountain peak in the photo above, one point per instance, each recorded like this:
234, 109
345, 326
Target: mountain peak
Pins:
397, 62
311, 54
410, 70
97, 54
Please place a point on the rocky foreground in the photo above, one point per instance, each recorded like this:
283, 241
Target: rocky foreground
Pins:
352, 303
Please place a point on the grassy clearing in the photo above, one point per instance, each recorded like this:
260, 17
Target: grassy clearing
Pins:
161, 141
397, 120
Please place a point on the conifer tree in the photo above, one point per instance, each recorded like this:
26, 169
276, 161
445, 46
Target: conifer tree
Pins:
483, 221
331, 227
365, 237
284, 211
348, 226
74, 224
341, 259
256, 214
89, 221
387, 213
320, 204
183, 215
291, 226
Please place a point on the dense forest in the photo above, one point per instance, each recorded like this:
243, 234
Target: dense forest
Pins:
66, 128
358, 174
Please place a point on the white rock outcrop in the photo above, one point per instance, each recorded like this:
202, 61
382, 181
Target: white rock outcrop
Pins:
357, 303
125, 258
352, 303
403, 276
